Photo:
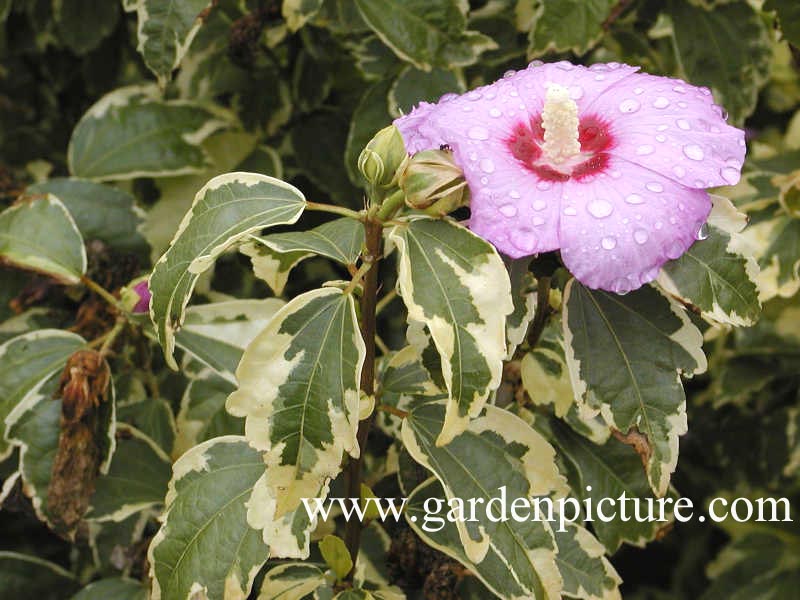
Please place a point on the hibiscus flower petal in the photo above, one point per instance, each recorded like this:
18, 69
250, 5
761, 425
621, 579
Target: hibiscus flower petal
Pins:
673, 128
510, 207
616, 233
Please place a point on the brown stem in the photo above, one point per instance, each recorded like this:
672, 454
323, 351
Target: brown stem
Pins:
369, 299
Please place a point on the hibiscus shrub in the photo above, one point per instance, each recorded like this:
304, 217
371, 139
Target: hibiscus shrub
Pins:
258, 256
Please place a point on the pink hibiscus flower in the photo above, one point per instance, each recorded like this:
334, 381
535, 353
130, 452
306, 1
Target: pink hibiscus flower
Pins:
605, 164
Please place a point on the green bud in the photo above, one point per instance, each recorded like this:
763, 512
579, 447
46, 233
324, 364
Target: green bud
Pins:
382, 157
433, 180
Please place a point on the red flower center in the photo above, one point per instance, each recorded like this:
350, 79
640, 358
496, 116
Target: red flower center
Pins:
525, 144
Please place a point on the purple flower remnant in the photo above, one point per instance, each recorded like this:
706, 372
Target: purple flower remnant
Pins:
605, 164
143, 291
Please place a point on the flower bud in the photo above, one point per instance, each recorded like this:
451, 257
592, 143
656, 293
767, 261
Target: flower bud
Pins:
136, 296
432, 179
383, 156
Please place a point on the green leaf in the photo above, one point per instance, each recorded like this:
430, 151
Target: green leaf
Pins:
498, 450
336, 555
118, 589
374, 60
426, 33
131, 132
788, 17
40, 234
726, 49
716, 276
166, 30
205, 545
311, 81
518, 322
371, 115
299, 391
757, 566
23, 576
136, 480
275, 255
456, 284
72, 17
101, 212
291, 580
585, 571
568, 26
225, 210
202, 415
780, 258
151, 416
545, 375
298, 12
216, 334
26, 363
413, 86
608, 470
625, 354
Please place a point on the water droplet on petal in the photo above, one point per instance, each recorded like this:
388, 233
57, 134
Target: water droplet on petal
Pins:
508, 210
474, 96
538, 221
523, 239
682, 105
634, 199
478, 133
661, 138
694, 152
600, 209
673, 220
674, 250
495, 112
679, 89
654, 186
621, 286
576, 92
544, 185
661, 102
570, 211
662, 127
629, 106
679, 171
599, 77
539, 204
658, 225
515, 194
638, 91
640, 235
466, 108
473, 156
484, 180
644, 150
730, 175
609, 243
510, 73
490, 95
487, 166
703, 232
683, 124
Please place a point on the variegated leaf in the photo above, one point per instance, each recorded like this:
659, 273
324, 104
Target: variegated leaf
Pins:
298, 12
299, 391
225, 210
24, 576
292, 581
151, 416
585, 571
26, 363
545, 375
625, 354
217, 334
497, 450
118, 589
205, 546
163, 137
39, 234
166, 30
202, 415
456, 284
275, 255
136, 480
517, 323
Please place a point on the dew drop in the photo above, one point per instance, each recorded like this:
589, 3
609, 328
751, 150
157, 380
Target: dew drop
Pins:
495, 112
682, 105
634, 199
599, 77
539, 205
514, 194
523, 239
644, 150
658, 225
513, 93
693, 151
576, 92
570, 211
466, 108
621, 286
609, 243
538, 221
730, 175
674, 250
679, 89
484, 180
490, 95
473, 156
638, 91
683, 124
600, 209
629, 106
654, 186
661, 102
673, 220
544, 185
661, 138
487, 166
510, 73
478, 133
474, 96
702, 233
508, 210
662, 127
640, 235
679, 171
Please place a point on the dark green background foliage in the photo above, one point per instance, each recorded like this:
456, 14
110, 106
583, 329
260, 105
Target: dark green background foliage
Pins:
295, 89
